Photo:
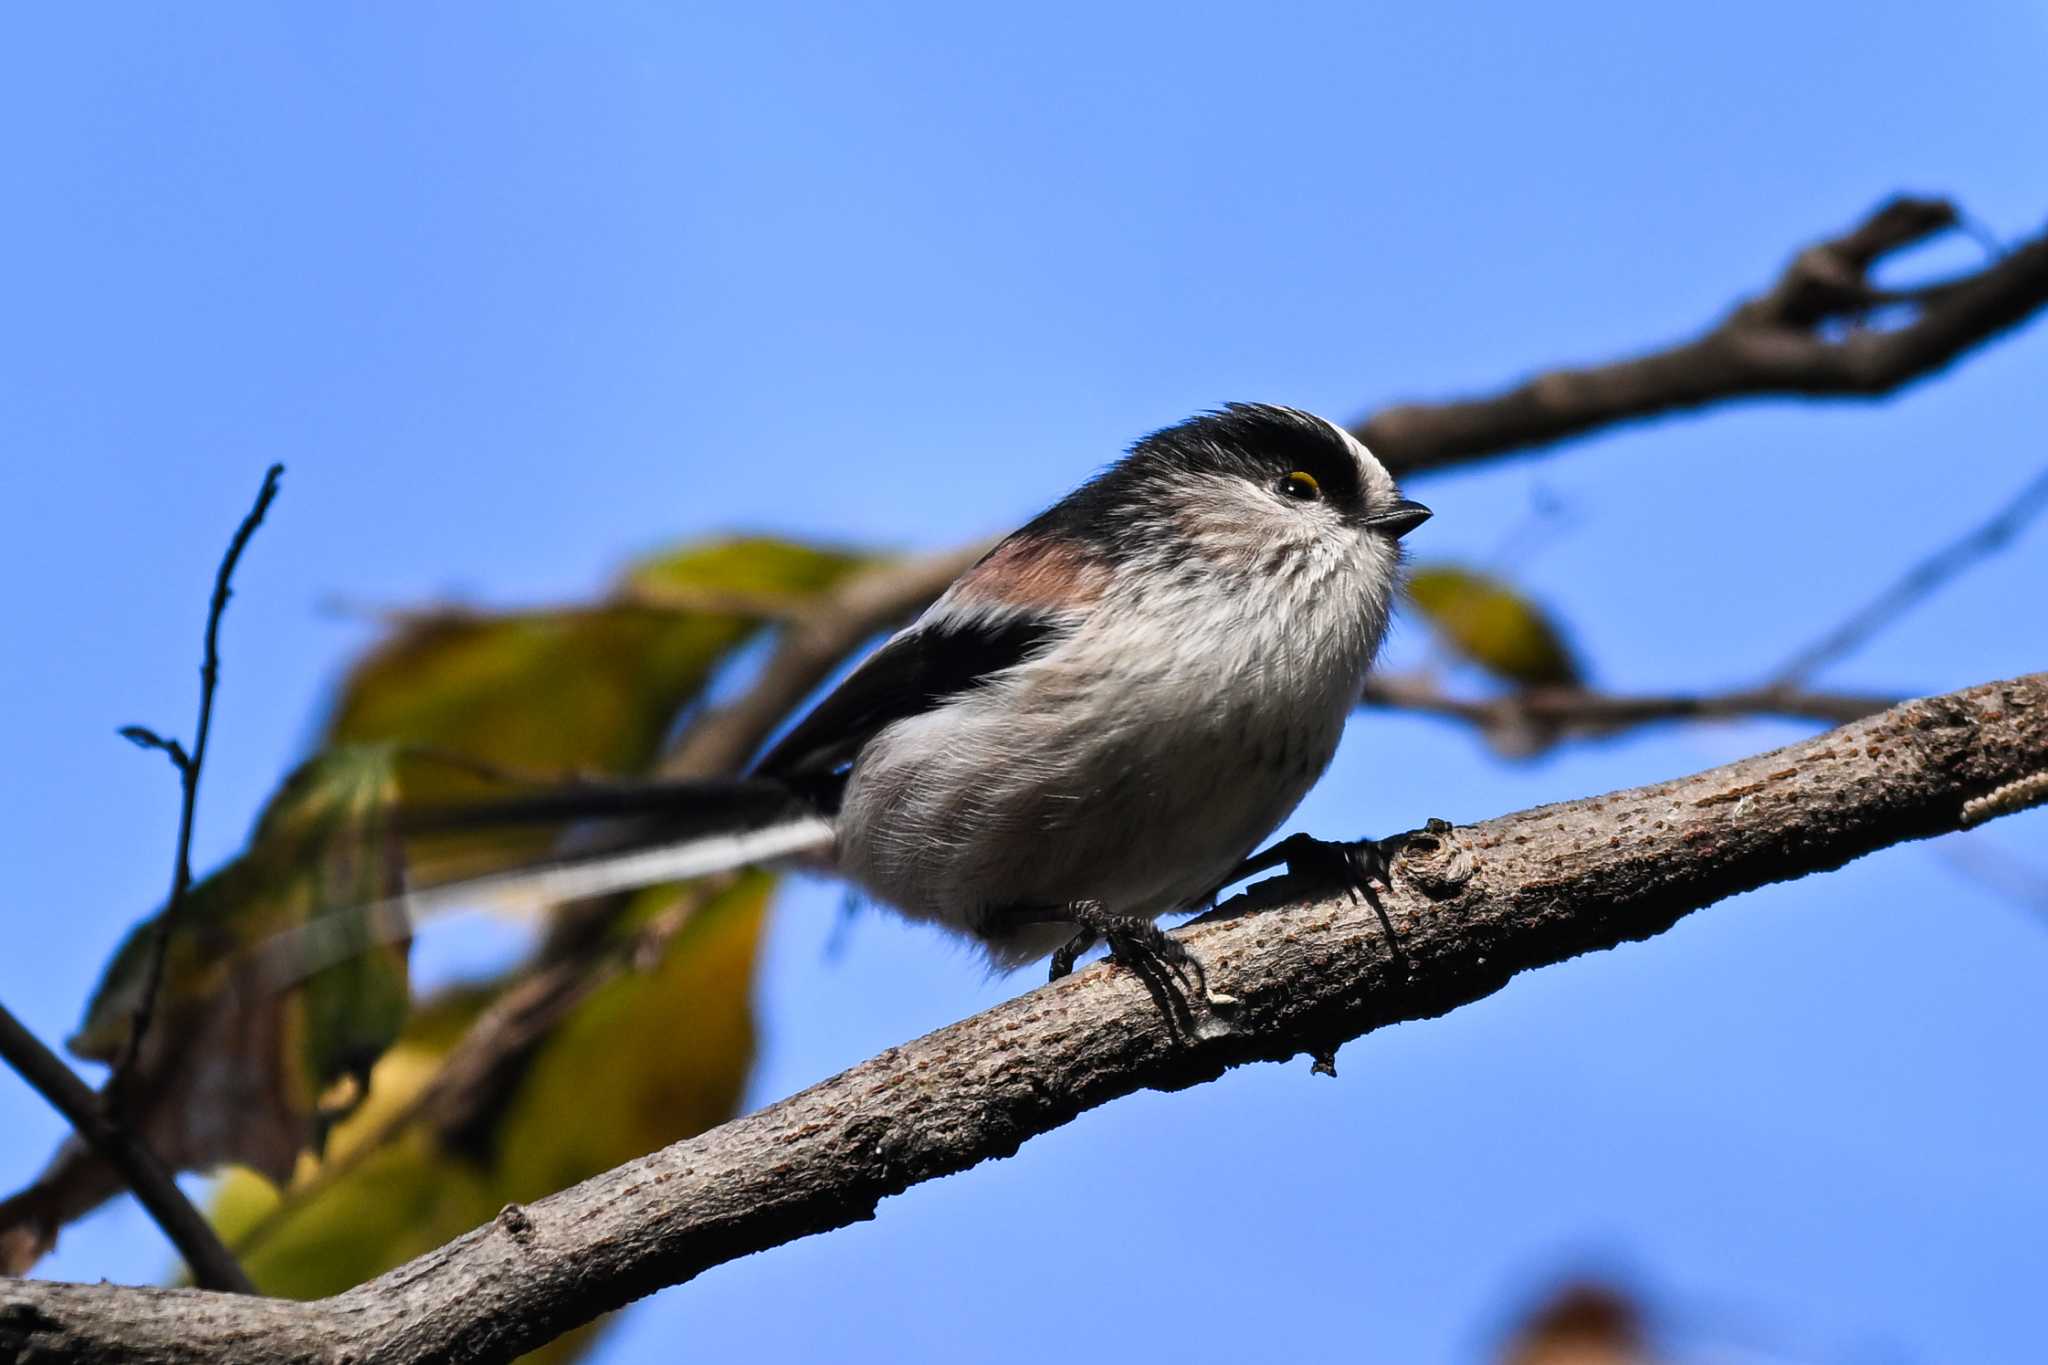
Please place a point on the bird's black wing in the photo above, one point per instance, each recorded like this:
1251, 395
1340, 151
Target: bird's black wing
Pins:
910, 675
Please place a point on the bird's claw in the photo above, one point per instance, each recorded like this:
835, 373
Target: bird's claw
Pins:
1139, 945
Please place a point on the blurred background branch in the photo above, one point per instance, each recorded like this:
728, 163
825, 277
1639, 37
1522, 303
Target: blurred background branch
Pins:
1921, 581
1810, 334
1529, 720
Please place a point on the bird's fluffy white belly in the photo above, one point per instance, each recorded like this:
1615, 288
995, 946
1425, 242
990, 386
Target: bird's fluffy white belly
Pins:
1035, 795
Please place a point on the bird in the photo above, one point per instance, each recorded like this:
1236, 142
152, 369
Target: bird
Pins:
1095, 725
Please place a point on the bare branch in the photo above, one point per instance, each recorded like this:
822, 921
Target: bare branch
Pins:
1470, 908
1805, 335
154, 1188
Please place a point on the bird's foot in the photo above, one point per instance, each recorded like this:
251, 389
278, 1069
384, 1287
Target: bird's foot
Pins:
1140, 946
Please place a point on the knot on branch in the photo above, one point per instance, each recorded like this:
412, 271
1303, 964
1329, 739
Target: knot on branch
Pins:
517, 1224
1436, 860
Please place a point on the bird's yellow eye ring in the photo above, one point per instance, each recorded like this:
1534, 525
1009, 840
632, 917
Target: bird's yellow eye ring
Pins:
1301, 486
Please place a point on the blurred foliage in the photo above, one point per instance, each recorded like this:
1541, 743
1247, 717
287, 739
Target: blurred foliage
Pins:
277, 984
658, 1053
1582, 1323
584, 690
279, 990
1489, 623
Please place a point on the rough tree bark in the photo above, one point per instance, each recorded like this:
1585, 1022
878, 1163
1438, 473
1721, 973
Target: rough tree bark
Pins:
1468, 910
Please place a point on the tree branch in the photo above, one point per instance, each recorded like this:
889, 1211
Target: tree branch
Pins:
1805, 335
1469, 909
158, 1193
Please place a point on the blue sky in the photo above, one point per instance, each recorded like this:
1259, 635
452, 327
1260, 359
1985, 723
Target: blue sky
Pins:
518, 290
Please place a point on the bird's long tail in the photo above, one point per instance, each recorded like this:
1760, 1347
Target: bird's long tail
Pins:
633, 836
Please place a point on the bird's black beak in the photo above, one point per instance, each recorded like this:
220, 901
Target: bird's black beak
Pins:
1400, 518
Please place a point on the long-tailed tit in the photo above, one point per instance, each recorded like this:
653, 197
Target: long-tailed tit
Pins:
1093, 726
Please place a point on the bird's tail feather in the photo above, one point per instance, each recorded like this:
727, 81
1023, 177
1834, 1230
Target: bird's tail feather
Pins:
581, 875
683, 830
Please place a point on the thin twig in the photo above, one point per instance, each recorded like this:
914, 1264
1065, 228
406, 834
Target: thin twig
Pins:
1526, 722
188, 774
211, 1264
1919, 582
1998, 870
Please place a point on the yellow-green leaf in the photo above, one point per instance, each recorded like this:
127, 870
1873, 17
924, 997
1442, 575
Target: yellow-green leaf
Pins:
396, 1201
756, 566
1492, 625
673, 1045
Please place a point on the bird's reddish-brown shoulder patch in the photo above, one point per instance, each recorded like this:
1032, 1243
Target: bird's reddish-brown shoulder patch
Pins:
1038, 572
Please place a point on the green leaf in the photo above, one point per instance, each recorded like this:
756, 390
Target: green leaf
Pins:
1492, 625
